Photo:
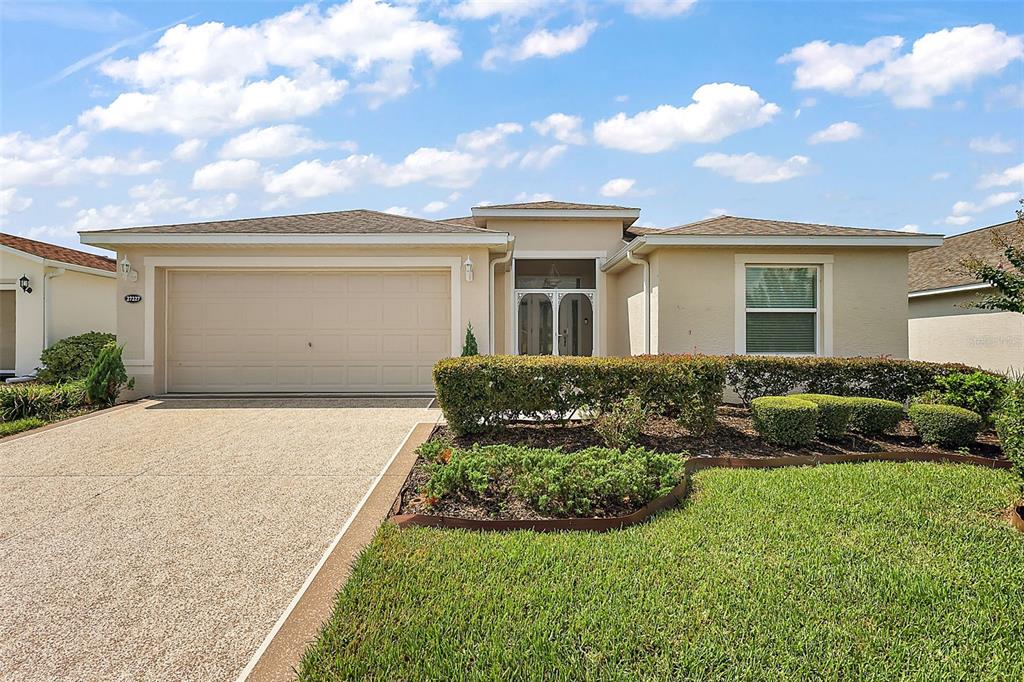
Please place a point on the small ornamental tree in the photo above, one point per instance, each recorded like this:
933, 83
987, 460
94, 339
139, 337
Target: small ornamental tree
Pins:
107, 377
469, 346
1008, 282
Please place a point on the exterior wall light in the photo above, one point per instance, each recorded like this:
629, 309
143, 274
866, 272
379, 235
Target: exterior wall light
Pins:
126, 270
469, 269
24, 283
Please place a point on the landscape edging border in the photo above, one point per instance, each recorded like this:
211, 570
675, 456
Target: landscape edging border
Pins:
681, 491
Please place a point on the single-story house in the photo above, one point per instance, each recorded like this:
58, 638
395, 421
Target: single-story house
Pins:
360, 301
943, 325
47, 293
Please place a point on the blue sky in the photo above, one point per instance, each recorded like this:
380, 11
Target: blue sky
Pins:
894, 115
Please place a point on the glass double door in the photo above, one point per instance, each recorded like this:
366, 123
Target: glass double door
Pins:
555, 322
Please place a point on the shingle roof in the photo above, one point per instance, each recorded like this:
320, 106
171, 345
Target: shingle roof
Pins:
733, 225
61, 254
358, 221
938, 268
557, 205
462, 220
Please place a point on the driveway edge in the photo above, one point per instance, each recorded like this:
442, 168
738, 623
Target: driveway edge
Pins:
72, 420
278, 656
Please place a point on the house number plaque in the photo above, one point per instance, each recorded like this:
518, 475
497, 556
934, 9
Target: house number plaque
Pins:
132, 298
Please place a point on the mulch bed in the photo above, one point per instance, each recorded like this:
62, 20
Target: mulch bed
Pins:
735, 436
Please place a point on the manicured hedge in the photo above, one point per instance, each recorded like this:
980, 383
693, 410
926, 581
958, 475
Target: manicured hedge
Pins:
753, 376
479, 392
834, 413
71, 358
1010, 423
553, 482
785, 420
875, 416
947, 425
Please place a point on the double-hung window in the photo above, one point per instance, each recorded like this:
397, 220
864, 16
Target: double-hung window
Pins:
782, 309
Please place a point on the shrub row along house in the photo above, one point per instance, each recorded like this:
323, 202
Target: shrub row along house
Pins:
360, 301
48, 293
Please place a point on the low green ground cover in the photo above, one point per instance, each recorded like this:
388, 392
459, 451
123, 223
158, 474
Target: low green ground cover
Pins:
861, 571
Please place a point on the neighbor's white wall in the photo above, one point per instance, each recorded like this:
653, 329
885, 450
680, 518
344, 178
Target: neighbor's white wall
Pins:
28, 310
941, 330
81, 303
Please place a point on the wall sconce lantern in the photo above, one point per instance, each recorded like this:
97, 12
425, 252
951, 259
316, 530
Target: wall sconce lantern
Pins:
126, 270
469, 269
24, 284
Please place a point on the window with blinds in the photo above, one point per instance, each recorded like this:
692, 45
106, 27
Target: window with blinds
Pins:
782, 309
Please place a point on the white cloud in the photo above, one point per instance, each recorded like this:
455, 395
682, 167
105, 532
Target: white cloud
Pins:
837, 132
941, 175
487, 138
958, 220
435, 207
910, 227
937, 64
542, 43
991, 201
539, 159
718, 111
754, 168
440, 167
273, 142
659, 9
188, 150
58, 160
1014, 175
991, 145
154, 201
69, 202
527, 197
11, 202
398, 210
228, 174
617, 187
213, 77
562, 127
506, 9
308, 179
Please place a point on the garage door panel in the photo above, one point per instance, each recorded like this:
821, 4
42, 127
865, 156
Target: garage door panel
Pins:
293, 331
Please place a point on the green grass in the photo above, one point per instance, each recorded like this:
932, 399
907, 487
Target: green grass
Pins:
19, 425
858, 571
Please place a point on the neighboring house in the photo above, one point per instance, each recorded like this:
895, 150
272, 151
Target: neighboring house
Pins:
47, 293
360, 301
943, 326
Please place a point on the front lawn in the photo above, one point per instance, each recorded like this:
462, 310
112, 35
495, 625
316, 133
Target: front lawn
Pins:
858, 571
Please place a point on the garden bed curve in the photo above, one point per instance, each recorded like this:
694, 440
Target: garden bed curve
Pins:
682, 490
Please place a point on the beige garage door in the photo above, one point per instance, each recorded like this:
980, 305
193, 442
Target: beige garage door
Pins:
317, 331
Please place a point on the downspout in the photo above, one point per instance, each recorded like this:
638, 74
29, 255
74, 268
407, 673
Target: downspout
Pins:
52, 274
511, 246
647, 297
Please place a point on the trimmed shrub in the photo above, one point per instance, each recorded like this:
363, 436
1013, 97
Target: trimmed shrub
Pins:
946, 425
19, 425
1010, 424
557, 483
469, 346
620, 426
874, 416
754, 376
979, 392
834, 413
785, 420
71, 358
108, 376
484, 391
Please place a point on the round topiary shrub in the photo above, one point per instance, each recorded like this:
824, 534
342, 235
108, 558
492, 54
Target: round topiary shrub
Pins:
834, 413
874, 416
946, 425
785, 420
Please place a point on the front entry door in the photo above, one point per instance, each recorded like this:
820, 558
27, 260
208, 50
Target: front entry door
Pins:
555, 322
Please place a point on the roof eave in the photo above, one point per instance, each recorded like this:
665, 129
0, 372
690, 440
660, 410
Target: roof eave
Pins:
957, 288
482, 214
54, 263
115, 239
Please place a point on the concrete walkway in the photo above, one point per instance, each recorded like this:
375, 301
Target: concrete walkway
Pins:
163, 541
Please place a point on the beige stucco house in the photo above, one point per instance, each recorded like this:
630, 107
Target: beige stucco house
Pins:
360, 301
943, 327
47, 293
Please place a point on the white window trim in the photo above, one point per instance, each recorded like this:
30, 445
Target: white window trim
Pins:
454, 264
824, 263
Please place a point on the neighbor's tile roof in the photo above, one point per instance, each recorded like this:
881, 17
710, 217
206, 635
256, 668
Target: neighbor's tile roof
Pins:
939, 267
57, 253
732, 225
358, 221
555, 205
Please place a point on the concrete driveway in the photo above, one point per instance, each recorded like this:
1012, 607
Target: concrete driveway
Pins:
163, 540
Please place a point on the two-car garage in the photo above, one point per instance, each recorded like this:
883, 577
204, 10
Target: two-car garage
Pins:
353, 330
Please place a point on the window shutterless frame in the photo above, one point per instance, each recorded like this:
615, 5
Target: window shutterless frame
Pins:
807, 311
